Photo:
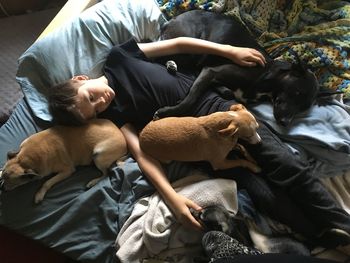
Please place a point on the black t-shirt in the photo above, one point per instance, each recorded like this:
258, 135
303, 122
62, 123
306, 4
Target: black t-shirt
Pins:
142, 87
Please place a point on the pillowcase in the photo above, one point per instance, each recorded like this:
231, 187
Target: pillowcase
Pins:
81, 45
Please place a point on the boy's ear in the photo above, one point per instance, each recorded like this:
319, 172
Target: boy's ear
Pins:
80, 77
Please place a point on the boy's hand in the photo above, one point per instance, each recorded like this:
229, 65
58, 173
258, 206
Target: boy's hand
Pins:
181, 208
246, 56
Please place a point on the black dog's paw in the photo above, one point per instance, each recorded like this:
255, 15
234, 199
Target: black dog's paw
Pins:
159, 114
156, 116
225, 93
162, 113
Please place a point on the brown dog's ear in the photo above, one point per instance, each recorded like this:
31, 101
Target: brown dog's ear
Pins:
237, 107
11, 155
229, 131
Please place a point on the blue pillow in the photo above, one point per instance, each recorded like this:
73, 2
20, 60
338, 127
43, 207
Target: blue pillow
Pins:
81, 45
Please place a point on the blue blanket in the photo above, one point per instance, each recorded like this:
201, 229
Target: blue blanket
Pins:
322, 133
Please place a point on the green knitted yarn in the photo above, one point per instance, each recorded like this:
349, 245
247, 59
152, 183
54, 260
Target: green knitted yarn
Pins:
317, 31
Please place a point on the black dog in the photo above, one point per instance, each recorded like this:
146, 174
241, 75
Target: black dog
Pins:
291, 88
218, 218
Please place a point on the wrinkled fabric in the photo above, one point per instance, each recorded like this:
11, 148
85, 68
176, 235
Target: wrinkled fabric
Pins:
81, 45
152, 231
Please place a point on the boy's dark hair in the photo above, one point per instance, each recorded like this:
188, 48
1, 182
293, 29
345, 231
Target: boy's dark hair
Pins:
62, 100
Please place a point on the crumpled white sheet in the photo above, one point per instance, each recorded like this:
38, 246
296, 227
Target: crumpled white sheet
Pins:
152, 231
339, 187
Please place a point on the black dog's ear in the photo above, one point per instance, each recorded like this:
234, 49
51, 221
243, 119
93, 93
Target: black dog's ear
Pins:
276, 68
324, 97
11, 154
300, 67
327, 93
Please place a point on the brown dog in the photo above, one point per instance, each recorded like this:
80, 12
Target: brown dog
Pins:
59, 150
208, 138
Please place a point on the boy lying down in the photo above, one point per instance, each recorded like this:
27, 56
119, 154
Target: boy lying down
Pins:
132, 88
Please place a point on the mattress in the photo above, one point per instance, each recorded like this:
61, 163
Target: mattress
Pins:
84, 224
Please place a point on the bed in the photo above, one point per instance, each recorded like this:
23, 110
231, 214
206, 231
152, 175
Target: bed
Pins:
91, 225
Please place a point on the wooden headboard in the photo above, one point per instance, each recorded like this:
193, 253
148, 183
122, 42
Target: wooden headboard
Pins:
70, 9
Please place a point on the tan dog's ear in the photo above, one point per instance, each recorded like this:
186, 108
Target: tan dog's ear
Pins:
11, 155
229, 131
237, 107
30, 172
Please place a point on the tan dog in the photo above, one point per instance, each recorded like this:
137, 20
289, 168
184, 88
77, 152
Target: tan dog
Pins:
59, 150
208, 138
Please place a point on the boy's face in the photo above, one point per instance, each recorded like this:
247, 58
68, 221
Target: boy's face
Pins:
94, 96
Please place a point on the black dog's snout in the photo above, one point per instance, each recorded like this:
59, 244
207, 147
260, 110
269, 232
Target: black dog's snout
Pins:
2, 184
284, 122
196, 214
3, 175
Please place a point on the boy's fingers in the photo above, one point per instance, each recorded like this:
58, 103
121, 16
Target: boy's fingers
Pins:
192, 219
249, 64
196, 224
259, 57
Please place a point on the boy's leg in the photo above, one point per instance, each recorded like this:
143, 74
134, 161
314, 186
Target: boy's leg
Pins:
284, 168
270, 200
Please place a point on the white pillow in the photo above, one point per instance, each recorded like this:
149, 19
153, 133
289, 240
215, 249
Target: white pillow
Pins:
81, 46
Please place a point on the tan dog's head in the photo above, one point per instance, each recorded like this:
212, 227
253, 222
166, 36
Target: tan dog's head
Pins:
16, 172
244, 125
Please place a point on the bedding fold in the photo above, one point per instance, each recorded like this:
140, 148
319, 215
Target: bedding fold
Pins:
151, 231
322, 133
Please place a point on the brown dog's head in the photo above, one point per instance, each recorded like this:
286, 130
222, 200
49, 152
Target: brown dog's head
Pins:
16, 172
244, 125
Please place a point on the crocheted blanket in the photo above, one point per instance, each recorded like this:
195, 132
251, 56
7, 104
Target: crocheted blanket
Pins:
316, 31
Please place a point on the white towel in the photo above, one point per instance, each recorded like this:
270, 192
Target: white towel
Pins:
152, 231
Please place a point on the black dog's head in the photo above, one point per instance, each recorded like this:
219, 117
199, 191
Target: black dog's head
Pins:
218, 218
295, 90
215, 218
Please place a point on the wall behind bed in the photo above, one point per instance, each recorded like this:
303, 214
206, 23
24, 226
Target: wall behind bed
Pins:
17, 34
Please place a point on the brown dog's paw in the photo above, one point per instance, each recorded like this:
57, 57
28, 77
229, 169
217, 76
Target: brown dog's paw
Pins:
39, 197
93, 182
255, 169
